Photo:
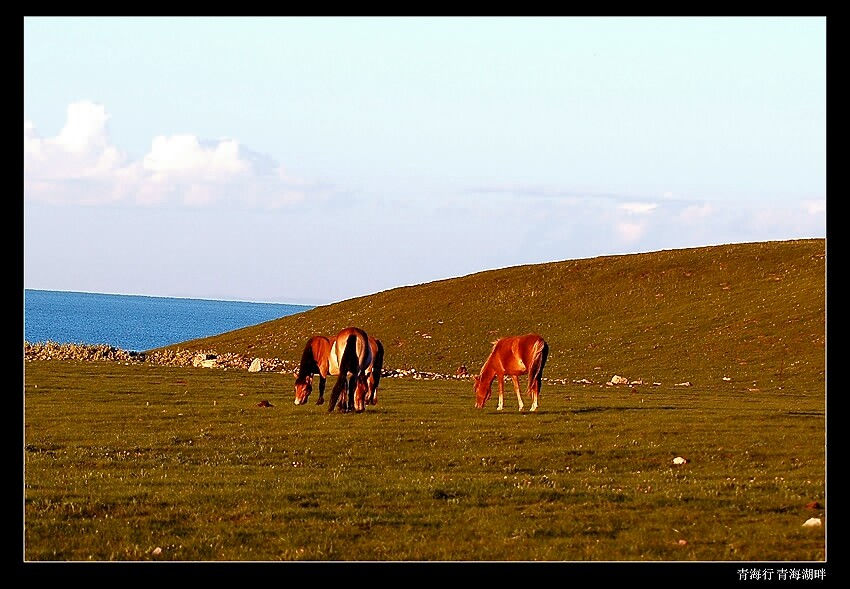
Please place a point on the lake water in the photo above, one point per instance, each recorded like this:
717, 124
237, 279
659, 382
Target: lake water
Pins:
137, 323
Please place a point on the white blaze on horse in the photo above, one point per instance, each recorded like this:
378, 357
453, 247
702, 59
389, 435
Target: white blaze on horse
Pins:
513, 356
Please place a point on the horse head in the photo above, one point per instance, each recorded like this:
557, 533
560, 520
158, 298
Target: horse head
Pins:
482, 389
303, 388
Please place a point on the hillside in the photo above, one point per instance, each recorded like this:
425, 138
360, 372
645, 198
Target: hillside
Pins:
752, 312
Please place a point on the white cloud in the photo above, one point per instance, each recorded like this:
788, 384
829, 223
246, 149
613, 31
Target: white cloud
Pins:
638, 208
85, 128
80, 151
182, 156
696, 212
81, 166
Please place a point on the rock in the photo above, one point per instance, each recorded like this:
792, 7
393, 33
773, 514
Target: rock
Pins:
203, 360
679, 460
812, 522
256, 365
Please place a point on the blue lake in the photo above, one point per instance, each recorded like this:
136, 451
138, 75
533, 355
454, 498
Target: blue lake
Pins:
137, 323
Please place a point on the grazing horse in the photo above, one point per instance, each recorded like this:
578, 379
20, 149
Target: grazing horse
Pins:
373, 372
350, 357
514, 356
314, 360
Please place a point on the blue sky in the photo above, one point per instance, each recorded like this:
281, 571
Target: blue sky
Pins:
311, 160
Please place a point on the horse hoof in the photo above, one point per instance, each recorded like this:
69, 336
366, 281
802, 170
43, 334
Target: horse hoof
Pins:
320, 402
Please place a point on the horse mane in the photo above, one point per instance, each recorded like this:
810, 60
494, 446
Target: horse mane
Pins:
308, 363
487, 361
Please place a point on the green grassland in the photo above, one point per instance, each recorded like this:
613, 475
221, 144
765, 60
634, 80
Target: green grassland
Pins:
138, 462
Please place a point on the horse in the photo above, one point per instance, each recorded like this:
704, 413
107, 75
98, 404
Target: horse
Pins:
314, 360
373, 372
513, 356
350, 357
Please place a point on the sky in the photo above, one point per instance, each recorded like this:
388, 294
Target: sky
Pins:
312, 160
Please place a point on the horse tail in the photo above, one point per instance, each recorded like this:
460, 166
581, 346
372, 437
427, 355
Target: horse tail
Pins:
348, 363
538, 360
378, 364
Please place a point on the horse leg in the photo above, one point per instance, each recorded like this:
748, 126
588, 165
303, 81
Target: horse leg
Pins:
338, 394
342, 403
534, 391
515, 379
321, 398
501, 392
371, 390
361, 389
349, 393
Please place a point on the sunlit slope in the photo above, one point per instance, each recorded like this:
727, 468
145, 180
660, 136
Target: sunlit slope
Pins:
753, 313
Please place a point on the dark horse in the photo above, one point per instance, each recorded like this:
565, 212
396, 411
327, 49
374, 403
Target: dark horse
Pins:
315, 359
513, 356
351, 354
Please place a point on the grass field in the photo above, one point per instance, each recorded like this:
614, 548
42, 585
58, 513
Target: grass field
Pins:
141, 462
151, 463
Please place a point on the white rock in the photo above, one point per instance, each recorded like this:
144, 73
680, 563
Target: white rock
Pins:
679, 460
812, 522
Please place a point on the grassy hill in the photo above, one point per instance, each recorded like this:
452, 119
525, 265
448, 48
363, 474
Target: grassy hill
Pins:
753, 312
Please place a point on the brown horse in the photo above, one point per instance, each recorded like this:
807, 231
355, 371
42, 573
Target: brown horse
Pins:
350, 357
513, 356
314, 360
373, 372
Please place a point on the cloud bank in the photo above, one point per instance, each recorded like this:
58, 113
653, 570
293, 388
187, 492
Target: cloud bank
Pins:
81, 166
